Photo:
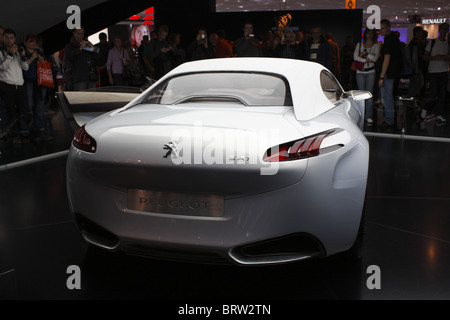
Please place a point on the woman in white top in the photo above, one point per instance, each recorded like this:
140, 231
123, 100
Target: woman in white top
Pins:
437, 53
368, 52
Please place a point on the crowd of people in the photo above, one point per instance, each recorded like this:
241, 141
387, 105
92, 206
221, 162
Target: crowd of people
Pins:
424, 66
161, 51
369, 65
22, 98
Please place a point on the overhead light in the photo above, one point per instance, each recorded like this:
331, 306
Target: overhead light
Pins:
439, 8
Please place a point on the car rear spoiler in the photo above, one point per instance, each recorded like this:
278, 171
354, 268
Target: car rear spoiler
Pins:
79, 107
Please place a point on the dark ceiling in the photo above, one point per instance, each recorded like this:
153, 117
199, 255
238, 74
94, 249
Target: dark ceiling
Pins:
36, 16
48, 17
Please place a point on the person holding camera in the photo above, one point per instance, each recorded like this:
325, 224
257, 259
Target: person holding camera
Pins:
12, 90
201, 48
156, 54
81, 56
288, 47
36, 94
249, 45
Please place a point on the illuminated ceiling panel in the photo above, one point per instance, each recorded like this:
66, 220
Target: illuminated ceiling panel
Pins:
391, 9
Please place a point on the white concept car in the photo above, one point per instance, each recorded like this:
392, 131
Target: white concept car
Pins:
243, 160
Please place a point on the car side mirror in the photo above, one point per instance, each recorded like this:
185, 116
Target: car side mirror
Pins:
359, 95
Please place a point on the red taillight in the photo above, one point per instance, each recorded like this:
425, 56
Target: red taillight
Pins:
83, 141
300, 149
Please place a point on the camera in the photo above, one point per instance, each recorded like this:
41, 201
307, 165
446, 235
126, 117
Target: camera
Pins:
21, 51
92, 49
40, 51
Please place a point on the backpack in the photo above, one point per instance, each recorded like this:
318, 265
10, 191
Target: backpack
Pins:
407, 61
133, 74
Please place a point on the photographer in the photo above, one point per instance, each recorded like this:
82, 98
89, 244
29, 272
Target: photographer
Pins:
12, 89
36, 94
200, 48
156, 53
249, 45
81, 57
288, 47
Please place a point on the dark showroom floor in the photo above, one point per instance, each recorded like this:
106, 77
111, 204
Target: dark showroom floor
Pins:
407, 234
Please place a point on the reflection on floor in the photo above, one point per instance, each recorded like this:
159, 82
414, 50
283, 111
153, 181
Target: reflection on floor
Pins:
408, 121
407, 237
31, 148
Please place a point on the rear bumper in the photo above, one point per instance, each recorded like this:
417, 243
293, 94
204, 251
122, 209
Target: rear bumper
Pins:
288, 248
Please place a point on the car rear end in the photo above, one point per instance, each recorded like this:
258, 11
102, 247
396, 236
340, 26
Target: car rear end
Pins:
131, 195
209, 178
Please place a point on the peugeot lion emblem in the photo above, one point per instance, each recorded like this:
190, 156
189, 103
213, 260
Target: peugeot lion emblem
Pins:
172, 146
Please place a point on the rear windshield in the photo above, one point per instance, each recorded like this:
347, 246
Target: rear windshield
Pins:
250, 89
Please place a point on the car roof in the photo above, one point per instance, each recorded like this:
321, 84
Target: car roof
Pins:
288, 68
303, 78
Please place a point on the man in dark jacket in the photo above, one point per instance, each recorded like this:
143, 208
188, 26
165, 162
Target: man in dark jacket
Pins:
201, 48
80, 57
249, 45
391, 63
417, 50
319, 50
156, 55
103, 49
